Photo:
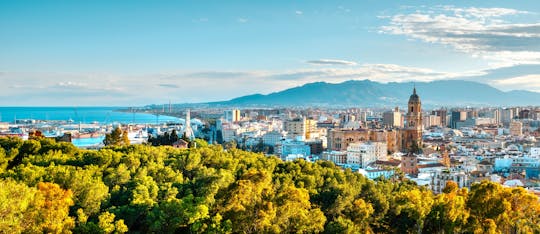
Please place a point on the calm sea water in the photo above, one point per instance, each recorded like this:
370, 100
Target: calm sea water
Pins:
80, 114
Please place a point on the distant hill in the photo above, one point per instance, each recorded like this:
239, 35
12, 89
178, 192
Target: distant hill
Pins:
366, 93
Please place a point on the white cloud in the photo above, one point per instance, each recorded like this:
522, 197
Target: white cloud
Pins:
529, 82
332, 62
72, 84
482, 32
242, 20
299, 12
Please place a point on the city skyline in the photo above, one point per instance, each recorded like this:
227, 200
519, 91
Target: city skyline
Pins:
114, 53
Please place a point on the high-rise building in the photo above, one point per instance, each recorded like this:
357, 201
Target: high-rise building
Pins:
393, 118
300, 127
497, 116
516, 128
232, 116
457, 117
524, 114
432, 121
442, 114
412, 134
507, 115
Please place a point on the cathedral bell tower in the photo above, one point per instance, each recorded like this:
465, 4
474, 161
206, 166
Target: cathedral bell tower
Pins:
412, 138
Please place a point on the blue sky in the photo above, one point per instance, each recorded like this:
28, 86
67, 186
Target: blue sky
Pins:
142, 52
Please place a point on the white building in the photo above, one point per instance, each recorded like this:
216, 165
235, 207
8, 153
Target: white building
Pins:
363, 153
431, 121
337, 157
535, 152
272, 138
229, 132
438, 182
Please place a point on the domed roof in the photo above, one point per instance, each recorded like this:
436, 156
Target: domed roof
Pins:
414, 97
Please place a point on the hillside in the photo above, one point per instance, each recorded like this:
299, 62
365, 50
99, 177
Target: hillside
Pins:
50, 187
366, 93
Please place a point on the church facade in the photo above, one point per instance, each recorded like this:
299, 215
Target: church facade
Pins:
405, 139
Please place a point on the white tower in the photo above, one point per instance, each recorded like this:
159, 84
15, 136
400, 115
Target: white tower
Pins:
187, 129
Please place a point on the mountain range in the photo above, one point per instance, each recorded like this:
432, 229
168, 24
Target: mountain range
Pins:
367, 93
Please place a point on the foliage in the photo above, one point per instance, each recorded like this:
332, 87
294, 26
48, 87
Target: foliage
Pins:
54, 187
116, 138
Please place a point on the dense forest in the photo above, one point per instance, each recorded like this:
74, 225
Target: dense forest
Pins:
47, 186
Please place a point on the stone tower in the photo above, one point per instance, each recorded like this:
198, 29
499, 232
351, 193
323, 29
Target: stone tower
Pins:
412, 134
409, 164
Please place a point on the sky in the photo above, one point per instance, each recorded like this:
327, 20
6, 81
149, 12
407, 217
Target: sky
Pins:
131, 53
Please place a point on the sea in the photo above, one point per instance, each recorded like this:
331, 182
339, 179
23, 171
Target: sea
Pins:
102, 115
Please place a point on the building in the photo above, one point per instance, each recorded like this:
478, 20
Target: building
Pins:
346, 118
300, 127
507, 115
439, 180
232, 116
286, 148
272, 138
339, 139
337, 157
456, 118
516, 128
442, 114
432, 121
363, 154
524, 114
229, 132
412, 133
535, 152
393, 118
316, 146
180, 144
4, 126
376, 173
409, 164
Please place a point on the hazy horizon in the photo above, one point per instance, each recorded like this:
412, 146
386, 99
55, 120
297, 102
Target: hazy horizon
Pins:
102, 53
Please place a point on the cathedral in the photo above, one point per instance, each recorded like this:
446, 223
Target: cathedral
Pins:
411, 134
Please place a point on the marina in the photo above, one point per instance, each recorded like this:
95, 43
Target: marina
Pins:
85, 127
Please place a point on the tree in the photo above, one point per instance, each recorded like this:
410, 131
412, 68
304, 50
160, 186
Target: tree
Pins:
108, 225
125, 138
29, 147
116, 138
415, 148
449, 213
209, 189
52, 209
16, 204
35, 135
174, 136
411, 208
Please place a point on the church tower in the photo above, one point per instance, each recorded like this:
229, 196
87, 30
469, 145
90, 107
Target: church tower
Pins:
412, 134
